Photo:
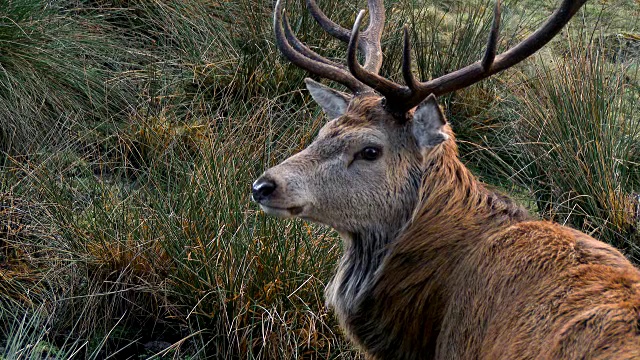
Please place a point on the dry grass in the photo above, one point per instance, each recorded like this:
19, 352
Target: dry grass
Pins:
126, 228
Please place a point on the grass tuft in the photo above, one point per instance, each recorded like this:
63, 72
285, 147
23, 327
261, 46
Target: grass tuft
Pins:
131, 132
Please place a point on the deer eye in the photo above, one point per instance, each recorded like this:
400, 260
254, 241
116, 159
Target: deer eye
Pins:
370, 153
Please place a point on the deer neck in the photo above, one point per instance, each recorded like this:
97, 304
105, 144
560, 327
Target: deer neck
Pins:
455, 214
363, 253
415, 269
451, 209
454, 206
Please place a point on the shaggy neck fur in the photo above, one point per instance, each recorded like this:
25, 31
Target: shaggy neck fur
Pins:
365, 250
363, 254
453, 211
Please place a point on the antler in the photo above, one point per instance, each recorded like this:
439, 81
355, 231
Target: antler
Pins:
370, 38
305, 58
400, 98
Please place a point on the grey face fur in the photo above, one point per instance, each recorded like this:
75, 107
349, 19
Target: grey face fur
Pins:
363, 171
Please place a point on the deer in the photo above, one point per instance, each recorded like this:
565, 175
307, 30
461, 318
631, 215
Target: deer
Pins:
436, 264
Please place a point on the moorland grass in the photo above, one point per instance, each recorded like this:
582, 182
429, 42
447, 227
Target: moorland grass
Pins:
131, 132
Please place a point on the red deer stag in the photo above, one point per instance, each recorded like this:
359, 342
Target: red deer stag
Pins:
437, 265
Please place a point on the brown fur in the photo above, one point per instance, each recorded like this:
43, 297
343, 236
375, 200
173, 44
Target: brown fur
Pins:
438, 266
472, 277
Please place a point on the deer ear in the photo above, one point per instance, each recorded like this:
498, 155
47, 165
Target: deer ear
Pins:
428, 123
334, 103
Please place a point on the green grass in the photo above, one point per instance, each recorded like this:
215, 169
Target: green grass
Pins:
131, 132
585, 124
56, 69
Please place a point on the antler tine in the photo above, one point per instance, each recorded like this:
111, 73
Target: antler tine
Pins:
492, 44
409, 79
323, 68
327, 24
370, 38
302, 48
384, 86
540, 37
376, 19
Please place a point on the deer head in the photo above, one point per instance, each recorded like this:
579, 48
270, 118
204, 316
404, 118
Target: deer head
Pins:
364, 170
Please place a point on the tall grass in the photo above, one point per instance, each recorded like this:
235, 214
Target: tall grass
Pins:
183, 245
134, 129
55, 66
573, 143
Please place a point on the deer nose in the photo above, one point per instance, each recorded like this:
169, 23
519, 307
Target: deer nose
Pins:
262, 188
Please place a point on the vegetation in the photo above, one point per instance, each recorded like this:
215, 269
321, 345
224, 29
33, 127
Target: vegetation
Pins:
130, 133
